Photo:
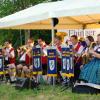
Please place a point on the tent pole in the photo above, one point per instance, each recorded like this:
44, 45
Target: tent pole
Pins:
84, 27
20, 38
84, 33
52, 32
53, 78
27, 35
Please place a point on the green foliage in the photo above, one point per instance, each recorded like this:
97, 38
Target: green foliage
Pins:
8, 7
45, 34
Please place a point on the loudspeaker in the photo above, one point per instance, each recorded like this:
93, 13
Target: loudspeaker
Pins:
85, 89
22, 83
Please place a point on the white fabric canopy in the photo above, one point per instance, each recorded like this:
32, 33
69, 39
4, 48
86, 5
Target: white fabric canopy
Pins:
71, 14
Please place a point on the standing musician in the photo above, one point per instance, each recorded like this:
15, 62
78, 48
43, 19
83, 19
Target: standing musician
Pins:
43, 46
9, 54
58, 43
77, 49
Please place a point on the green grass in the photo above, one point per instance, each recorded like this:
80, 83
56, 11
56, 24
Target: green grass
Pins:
45, 92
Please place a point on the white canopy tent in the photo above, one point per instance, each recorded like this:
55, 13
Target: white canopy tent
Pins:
72, 14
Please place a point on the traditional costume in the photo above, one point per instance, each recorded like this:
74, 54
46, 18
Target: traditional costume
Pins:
91, 71
44, 56
77, 49
11, 52
11, 65
28, 61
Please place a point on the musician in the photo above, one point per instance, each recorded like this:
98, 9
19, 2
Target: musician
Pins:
86, 56
28, 58
21, 60
9, 54
83, 42
58, 44
5, 51
43, 46
91, 71
77, 49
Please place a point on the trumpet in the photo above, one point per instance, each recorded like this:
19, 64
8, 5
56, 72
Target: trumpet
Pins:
26, 48
23, 47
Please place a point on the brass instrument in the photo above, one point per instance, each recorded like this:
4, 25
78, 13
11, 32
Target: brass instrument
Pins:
23, 47
88, 57
92, 45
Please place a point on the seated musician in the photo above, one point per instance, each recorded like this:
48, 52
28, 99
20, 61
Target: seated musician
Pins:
5, 51
1, 64
91, 71
86, 56
83, 42
26, 58
9, 54
21, 60
77, 49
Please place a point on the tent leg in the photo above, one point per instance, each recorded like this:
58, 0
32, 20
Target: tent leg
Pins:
53, 81
84, 33
27, 35
20, 38
52, 32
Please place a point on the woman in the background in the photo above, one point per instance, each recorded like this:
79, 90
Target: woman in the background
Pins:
91, 71
90, 44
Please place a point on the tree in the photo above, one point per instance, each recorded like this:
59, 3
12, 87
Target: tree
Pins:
8, 7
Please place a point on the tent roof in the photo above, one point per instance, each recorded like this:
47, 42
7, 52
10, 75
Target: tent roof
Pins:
71, 14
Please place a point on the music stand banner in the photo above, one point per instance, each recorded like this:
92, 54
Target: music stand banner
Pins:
37, 64
52, 62
1, 65
65, 61
71, 72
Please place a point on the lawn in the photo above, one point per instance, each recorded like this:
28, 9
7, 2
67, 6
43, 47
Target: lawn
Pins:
7, 92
